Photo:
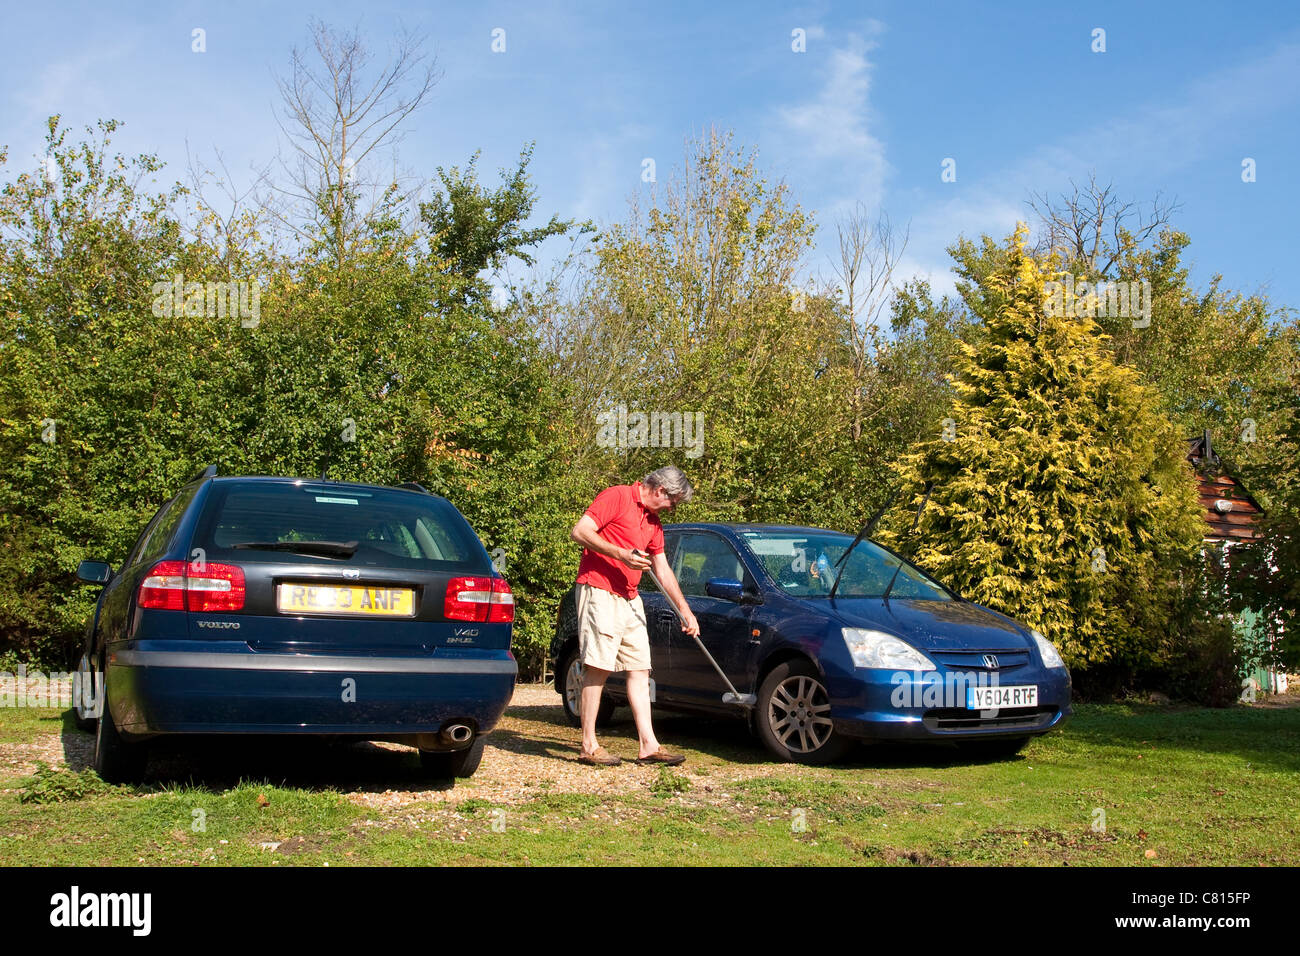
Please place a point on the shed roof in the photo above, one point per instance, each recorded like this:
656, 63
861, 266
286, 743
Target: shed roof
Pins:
1230, 510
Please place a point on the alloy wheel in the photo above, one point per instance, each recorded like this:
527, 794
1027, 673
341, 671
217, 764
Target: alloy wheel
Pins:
799, 714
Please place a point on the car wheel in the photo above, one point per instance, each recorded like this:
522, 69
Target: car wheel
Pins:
116, 760
1001, 748
444, 765
571, 668
80, 690
793, 716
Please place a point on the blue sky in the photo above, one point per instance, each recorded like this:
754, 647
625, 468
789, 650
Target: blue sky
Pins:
883, 94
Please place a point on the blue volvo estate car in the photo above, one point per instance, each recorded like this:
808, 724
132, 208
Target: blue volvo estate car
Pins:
890, 655
292, 606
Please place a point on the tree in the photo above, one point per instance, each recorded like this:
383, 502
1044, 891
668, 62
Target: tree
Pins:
869, 254
1058, 495
1094, 226
1212, 357
472, 229
692, 307
94, 383
377, 368
907, 393
337, 118
1265, 575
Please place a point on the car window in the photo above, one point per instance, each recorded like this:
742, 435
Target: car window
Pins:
391, 527
136, 548
700, 558
670, 545
153, 543
806, 565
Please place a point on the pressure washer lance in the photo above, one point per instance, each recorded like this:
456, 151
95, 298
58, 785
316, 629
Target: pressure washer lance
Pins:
733, 696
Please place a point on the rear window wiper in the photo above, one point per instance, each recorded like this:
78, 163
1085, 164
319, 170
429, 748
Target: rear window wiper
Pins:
328, 549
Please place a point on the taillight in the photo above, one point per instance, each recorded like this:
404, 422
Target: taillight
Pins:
164, 586
218, 587
181, 586
487, 600
502, 608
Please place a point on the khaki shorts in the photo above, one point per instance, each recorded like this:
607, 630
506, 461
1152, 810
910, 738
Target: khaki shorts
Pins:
612, 631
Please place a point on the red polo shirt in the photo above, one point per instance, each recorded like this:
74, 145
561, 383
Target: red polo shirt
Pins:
621, 520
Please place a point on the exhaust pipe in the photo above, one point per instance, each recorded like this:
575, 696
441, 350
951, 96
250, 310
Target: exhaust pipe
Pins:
457, 733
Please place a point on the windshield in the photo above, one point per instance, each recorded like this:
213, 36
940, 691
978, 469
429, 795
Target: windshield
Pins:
803, 565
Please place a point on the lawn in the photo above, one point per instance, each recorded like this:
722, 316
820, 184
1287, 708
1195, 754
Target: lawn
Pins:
1124, 784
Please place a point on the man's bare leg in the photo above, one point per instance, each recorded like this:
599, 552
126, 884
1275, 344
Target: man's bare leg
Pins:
593, 682
638, 696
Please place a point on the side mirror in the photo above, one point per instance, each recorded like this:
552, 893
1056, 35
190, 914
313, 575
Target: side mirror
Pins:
729, 589
94, 572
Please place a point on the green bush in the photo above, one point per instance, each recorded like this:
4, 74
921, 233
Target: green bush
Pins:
1202, 664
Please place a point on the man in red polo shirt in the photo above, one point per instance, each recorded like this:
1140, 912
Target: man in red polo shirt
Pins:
621, 536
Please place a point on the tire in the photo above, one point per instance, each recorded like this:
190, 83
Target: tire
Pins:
83, 721
570, 678
1003, 748
793, 716
116, 760
454, 764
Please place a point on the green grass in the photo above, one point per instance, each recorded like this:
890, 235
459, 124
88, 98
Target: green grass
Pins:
20, 724
1195, 786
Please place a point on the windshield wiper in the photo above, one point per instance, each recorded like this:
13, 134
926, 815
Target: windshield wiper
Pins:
327, 549
901, 560
866, 530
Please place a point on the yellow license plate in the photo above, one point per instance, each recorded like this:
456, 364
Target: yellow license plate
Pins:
327, 599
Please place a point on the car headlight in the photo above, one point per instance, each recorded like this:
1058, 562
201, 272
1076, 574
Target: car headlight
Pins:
880, 651
1051, 656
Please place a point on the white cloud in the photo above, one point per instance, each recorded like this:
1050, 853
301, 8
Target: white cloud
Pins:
828, 137
71, 87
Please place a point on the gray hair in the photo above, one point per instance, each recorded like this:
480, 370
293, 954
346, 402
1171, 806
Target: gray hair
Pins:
672, 480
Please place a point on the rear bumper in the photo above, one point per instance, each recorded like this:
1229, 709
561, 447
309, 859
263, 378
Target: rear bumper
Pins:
183, 691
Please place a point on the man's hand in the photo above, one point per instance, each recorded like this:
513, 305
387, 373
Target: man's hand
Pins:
634, 559
689, 624
668, 580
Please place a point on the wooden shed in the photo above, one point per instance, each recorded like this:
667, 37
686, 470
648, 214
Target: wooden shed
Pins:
1230, 511
1232, 518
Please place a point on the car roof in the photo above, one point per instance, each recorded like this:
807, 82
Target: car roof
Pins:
281, 480
741, 527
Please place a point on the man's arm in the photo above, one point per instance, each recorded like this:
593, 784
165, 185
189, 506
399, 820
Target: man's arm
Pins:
587, 534
669, 582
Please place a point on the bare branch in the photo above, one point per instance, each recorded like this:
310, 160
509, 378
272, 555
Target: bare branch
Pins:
336, 116
1093, 225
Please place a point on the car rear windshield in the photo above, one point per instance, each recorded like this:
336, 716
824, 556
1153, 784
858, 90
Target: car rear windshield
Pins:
389, 528
803, 565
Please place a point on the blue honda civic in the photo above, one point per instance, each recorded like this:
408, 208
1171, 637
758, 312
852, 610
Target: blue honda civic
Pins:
835, 640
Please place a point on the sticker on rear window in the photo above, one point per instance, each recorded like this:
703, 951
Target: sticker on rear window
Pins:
335, 501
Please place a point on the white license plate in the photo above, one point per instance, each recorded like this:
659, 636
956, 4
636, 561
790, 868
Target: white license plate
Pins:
993, 698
